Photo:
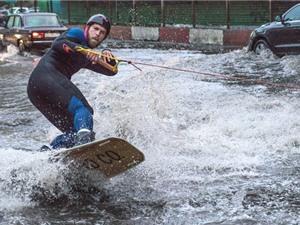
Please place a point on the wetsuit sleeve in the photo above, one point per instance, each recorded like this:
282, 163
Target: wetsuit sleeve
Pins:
66, 45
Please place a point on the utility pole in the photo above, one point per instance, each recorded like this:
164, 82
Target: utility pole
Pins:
35, 5
271, 10
193, 14
163, 18
228, 14
133, 13
69, 12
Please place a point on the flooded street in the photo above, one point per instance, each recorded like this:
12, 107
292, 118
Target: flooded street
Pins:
221, 144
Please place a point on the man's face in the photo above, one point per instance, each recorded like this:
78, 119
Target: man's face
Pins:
96, 35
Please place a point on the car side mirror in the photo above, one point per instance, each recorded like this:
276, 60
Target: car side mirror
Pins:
3, 24
279, 19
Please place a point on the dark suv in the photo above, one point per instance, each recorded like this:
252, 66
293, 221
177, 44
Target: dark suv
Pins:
282, 36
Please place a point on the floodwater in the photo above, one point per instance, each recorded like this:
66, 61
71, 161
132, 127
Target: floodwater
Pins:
218, 150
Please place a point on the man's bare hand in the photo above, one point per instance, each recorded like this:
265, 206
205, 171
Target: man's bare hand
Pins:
107, 56
93, 57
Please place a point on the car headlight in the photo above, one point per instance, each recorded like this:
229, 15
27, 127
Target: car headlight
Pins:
1, 36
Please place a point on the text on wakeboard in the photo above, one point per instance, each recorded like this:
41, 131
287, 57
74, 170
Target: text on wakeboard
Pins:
109, 157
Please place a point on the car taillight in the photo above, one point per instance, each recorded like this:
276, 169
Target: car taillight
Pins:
37, 35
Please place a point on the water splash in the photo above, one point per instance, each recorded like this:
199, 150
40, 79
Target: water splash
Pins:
216, 152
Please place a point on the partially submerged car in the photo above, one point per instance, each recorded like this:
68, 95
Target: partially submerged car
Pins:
29, 31
281, 37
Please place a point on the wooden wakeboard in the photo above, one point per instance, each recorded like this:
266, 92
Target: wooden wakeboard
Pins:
110, 156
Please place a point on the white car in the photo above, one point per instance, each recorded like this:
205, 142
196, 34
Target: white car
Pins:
17, 10
3, 16
4, 12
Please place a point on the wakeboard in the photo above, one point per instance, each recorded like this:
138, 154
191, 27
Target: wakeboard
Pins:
110, 156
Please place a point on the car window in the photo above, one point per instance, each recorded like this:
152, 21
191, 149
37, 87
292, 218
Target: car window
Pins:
52, 21
10, 22
294, 14
21, 10
18, 22
4, 12
11, 11
41, 20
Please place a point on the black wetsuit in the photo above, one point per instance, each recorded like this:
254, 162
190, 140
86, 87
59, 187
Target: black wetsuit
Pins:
50, 88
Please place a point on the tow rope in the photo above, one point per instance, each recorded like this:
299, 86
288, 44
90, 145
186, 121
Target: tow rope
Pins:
118, 60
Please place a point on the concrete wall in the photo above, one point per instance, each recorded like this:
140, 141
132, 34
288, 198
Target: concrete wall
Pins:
236, 37
145, 33
174, 35
207, 36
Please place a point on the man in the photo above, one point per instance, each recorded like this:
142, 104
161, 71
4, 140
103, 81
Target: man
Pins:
50, 88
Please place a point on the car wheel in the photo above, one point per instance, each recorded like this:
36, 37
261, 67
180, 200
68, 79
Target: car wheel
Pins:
2, 47
261, 48
21, 47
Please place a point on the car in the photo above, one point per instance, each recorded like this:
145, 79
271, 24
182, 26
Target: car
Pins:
280, 37
31, 10
16, 10
31, 31
3, 15
4, 12
2, 18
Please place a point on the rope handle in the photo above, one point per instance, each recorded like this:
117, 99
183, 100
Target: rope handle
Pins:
101, 62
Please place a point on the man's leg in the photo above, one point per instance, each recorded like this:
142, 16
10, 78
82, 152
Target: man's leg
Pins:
83, 121
66, 140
